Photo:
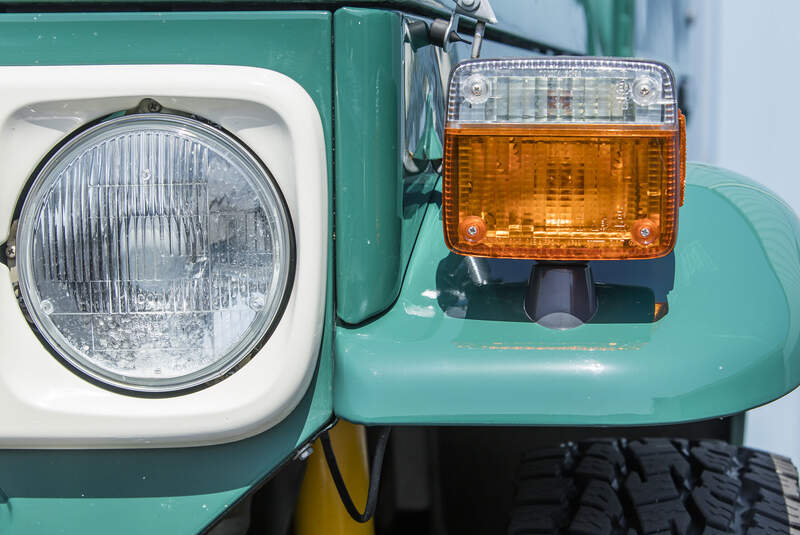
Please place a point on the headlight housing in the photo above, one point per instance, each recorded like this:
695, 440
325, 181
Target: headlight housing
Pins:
154, 252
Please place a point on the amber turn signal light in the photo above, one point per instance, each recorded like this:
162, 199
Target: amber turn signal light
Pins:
562, 159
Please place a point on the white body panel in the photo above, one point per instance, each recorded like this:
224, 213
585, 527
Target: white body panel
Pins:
45, 404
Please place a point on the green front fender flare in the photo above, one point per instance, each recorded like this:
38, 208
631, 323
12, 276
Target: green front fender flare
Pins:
728, 343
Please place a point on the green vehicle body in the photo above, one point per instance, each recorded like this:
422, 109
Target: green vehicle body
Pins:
393, 349
176, 490
725, 345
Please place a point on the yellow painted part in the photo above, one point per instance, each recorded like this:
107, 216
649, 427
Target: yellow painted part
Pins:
319, 507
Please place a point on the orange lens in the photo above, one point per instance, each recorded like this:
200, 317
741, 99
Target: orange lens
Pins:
561, 192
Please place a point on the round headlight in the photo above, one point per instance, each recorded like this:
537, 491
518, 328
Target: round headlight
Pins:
154, 252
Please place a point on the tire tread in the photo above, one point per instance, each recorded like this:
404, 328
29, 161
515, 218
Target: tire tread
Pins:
655, 486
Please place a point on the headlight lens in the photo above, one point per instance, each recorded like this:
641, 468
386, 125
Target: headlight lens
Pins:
154, 252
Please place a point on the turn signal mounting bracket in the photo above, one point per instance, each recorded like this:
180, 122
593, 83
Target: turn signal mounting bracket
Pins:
561, 295
443, 32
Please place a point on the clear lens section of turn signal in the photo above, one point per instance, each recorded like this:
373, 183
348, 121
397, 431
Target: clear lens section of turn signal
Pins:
562, 159
562, 90
154, 252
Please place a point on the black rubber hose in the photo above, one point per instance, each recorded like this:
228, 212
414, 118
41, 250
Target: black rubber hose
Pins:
374, 480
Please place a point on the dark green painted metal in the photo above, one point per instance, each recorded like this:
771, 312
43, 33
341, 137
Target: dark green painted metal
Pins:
434, 6
379, 203
430, 144
610, 27
369, 167
729, 342
508, 28
164, 490
178, 490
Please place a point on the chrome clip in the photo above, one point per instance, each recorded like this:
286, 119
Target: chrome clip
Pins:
443, 32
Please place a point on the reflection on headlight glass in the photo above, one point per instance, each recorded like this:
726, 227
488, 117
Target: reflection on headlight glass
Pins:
154, 251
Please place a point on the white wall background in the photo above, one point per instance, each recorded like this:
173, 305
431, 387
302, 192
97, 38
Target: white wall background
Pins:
742, 58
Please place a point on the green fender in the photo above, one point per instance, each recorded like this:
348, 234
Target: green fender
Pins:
450, 351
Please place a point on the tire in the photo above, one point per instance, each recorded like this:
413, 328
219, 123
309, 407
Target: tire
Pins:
655, 486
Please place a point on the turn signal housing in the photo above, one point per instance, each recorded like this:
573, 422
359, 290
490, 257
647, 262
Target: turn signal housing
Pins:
562, 159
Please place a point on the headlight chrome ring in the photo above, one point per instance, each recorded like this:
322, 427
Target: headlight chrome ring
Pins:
155, 252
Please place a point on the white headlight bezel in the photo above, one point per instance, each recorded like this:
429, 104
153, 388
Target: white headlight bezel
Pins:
48, 405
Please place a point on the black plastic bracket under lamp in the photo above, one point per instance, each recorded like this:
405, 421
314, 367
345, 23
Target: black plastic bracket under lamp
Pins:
561, 295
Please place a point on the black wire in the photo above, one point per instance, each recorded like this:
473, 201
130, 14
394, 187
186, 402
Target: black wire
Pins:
374, 480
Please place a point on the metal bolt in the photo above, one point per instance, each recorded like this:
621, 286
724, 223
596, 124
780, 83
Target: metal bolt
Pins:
305, 453
149, 105
11, 251
472, 230
644, 90
645, 232
477, 89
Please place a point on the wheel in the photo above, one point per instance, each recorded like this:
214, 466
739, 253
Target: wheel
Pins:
655, 486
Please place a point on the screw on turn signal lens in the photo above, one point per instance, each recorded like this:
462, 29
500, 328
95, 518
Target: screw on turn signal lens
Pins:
472, 229
645, 232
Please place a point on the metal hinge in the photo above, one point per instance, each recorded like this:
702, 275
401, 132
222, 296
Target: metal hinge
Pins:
444, 32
